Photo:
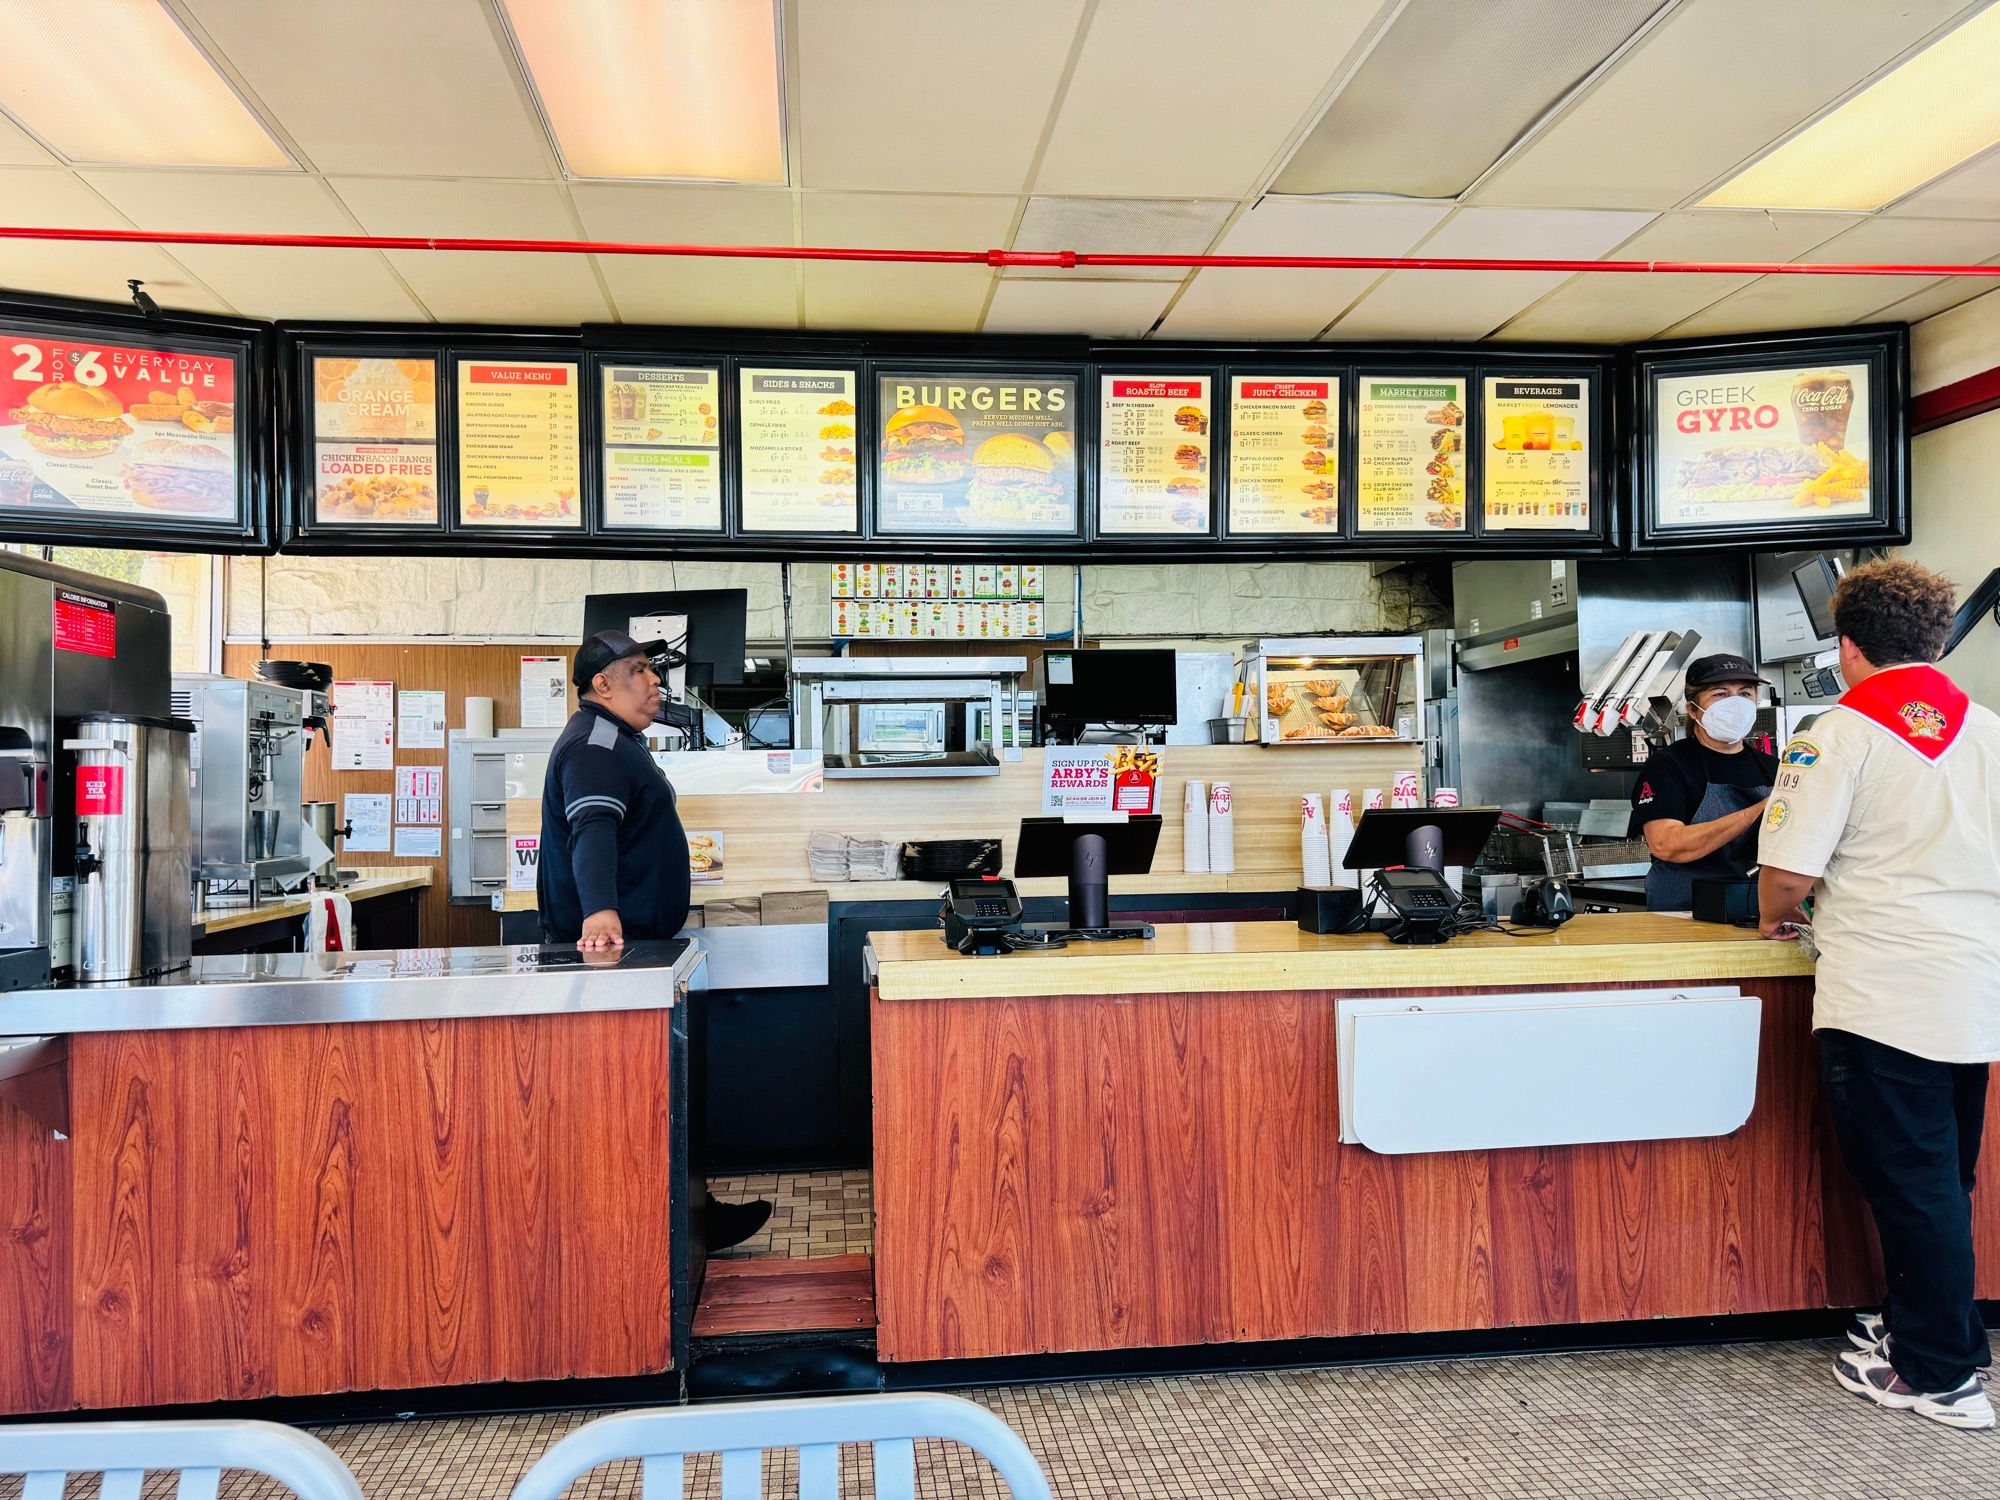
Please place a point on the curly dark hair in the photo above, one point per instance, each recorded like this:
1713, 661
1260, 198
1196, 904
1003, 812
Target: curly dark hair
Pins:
1895, 611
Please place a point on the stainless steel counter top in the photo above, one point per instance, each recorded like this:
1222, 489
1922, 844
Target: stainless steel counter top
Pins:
414, 984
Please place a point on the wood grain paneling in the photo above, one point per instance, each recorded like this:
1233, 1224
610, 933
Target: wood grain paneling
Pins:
35, 1246
772, 1294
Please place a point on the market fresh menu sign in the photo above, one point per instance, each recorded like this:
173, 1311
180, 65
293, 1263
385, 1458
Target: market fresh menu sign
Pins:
662, 448
375, 441
975, 454
1411, 468
1537, 462
1284, 445
798, 432
519, 460
1762, 446
1152, 455
116, 430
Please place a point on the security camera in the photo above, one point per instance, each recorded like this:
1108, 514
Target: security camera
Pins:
142, 299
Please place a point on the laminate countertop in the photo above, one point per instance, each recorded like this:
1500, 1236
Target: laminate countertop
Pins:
1210, 957
381, 880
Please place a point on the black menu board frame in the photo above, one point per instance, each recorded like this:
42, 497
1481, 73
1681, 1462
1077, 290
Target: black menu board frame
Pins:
813, 543
1602, 494
1160, 364
1340, 411
1883, 349
304, 462
252, 529
596, 362
586, 438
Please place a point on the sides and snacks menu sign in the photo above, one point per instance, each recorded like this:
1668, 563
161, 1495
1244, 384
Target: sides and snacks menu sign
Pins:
971, 453
663, 448
798, 440
1152, 455
106, 429
519, 463
375, 441
1284, 444
1537, 464
1762, 446
1411, 474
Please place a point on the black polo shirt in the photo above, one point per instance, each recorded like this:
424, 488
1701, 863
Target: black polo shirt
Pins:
1673, 782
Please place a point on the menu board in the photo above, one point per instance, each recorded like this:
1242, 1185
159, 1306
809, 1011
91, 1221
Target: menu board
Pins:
798, 430
1761, 446
1411, 454
662, 448
972, 453
1284, 455
375, 441
1537, 455
519, 463
90, 428
1152, 455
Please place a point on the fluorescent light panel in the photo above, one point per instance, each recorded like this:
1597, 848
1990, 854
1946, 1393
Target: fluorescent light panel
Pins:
1913, 124
657, 88
119, 83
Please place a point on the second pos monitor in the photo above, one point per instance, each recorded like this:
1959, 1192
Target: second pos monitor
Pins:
1087, 854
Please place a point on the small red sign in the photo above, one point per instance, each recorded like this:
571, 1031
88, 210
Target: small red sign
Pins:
100, 791
1283, 390
1512, 643
85, 625
520, 375
1159, 390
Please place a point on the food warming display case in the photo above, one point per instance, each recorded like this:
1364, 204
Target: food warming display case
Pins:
1335, 690
908, 716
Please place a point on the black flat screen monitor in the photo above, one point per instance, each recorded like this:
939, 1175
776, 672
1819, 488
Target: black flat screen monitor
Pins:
1111, 687
717, 622
1816, 579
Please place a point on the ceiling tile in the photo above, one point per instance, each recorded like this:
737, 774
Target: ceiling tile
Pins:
99, 272
731, 293
908, 222
53, 198
1971, 192
1713, 86
223, 202
1102, 309
18, 148
1190, 99
940, 299
1940, 296
1120, 226
1280, 304
303, 284
1615, 308
1471, 304
871, 69
470, 210
384, 85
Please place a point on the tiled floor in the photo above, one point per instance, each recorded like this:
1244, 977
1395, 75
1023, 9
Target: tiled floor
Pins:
814, 1213
1761, 1421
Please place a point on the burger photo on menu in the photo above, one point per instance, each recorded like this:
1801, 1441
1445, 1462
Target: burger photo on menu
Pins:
67, 420
174, 474
923, 445
1191, 419
1012, 476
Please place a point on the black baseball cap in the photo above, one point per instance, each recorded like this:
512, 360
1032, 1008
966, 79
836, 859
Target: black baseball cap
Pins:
1707, 671
606, 647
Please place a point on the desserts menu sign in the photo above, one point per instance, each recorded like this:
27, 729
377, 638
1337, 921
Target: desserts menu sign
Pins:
1152, 455
971, 453
88, 427
798, 434
1284, 441
375, 441
663, 448
519, 463
1537, 464
1761, 445
1411, 442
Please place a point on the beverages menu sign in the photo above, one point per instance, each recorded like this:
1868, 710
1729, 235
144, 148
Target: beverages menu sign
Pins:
662, 448
375, 441
1537, 462
975, 454
1284, 444
1764, 446
519, 460
798, 435
1152, 455
1411, 474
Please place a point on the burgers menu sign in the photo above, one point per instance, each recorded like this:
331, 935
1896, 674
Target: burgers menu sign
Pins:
118, 431
1762, 446
976, 454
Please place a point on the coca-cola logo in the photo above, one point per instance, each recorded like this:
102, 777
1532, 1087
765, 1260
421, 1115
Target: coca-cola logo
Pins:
1829, 398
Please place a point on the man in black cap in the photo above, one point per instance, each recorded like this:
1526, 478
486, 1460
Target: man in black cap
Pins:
1698, 801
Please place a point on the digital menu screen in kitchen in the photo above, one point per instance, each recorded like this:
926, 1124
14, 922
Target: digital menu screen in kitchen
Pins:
1537, 468
1782, 446
519, 460
969, 453
1284, 445
662, 448
1153, 451
118, 431
798, 433
375, 441
1410, 454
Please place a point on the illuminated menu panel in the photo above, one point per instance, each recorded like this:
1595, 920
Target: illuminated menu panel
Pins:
519, 463
662, 448
1537, 457
1153, 450
1410, 465
970, 453
798, 431
1284, 447
375, 441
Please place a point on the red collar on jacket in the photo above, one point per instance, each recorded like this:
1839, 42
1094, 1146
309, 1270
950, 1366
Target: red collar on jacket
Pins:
1917, 705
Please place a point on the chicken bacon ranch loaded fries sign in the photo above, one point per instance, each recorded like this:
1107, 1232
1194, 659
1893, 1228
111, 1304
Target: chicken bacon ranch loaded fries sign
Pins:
103, 428
1761, 445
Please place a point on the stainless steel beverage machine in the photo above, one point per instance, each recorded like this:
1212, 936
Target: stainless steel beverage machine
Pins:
87, 779
249, 779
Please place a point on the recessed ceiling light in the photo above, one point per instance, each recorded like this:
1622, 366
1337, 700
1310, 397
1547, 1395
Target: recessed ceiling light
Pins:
657, 88
1913, 124
119, 83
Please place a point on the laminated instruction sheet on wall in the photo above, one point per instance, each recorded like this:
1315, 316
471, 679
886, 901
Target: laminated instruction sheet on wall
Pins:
364, 726
420, 719
369, 813
544, 692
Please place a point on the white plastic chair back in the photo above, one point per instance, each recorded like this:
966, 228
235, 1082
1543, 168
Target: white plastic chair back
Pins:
741, 1432
125, 1452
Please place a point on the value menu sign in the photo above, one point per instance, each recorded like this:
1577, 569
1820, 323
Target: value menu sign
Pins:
113, 430
1784, 446
662, 448
1411, 466
1537, 457
1152, 455
1284, 446
519, 460
798, 435
968, 453
375, 441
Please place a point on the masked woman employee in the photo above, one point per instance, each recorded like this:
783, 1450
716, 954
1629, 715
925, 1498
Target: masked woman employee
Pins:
1698, 801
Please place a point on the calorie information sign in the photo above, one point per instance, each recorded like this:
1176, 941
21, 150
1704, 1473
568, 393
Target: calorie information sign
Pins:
85, 624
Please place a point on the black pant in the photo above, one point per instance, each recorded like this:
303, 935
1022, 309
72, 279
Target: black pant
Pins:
1909, 1132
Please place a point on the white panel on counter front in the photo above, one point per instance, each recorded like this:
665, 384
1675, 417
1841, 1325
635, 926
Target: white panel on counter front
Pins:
1491, 1072
722, 773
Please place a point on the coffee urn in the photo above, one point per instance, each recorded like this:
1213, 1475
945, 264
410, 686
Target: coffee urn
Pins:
134, 875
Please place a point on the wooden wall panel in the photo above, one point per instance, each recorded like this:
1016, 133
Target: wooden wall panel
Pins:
35, 1282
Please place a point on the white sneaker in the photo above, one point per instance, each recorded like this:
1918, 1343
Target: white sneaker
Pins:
1869, 1374
1865, 1330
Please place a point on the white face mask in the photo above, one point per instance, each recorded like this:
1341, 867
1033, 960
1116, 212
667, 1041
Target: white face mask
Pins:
1730, 719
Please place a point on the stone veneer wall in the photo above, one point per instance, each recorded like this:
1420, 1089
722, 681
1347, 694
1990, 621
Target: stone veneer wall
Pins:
521, 599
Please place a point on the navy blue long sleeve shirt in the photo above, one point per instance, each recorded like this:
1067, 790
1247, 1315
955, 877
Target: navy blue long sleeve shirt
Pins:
611, 835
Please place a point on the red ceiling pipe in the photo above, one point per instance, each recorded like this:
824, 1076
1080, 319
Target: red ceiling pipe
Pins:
1063, 259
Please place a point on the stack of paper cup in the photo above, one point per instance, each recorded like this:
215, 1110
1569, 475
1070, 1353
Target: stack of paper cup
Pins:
1312, 842
1447, 796
1221, 830
479, 718
1194, 829
1339, 834
1407, 793
1373, 800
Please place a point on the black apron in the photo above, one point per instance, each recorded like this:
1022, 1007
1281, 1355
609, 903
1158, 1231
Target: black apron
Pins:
1670, 886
